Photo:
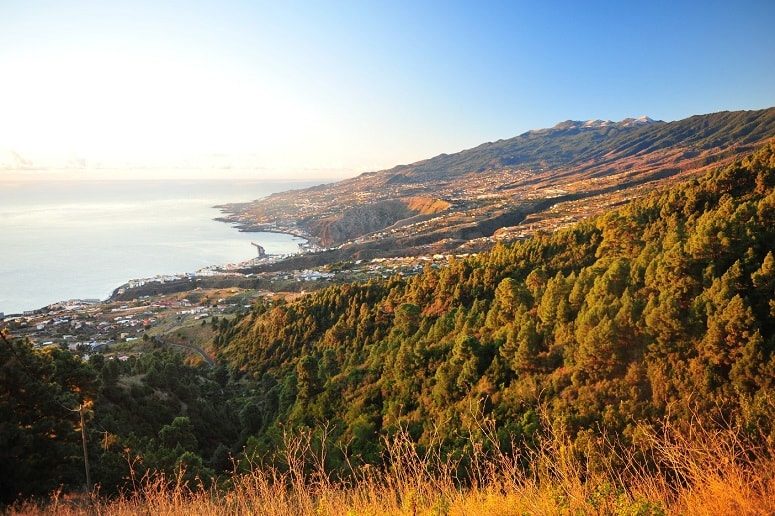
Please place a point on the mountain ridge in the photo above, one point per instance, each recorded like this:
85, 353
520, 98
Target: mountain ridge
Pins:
530, 174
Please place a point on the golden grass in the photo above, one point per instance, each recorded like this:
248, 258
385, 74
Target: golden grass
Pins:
702, 472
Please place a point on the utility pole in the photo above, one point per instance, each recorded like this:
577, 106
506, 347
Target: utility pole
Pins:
85, 449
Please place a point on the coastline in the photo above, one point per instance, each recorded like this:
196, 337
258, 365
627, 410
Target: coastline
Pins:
233, 214
222, 270
75, 250
247, 227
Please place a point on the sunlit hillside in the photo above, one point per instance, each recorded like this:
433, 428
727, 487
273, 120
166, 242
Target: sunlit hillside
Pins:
622, 366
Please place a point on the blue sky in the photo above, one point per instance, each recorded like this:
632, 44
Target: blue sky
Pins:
333, 88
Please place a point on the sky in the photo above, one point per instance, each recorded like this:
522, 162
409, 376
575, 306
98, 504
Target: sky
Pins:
290, 90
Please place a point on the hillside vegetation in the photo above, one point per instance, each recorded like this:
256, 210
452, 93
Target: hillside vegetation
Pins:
662, 308
623, 365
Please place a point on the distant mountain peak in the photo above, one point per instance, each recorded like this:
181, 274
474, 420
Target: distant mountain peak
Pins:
641, 120
567, 124
599, 124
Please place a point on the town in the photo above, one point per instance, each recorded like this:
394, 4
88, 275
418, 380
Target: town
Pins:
182, 311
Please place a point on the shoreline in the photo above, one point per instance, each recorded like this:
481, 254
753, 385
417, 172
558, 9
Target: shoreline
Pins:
217, 269
246, 227
231, 214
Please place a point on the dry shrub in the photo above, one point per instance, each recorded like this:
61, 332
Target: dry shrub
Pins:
667, 471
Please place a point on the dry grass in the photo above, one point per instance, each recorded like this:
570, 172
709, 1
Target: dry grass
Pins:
703, 472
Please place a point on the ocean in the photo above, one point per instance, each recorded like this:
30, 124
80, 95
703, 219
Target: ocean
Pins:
82, 239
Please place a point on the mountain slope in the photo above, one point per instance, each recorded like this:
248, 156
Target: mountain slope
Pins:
542, 179
579, 142
663, 308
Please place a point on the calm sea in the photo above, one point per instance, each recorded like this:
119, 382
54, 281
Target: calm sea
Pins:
65, 240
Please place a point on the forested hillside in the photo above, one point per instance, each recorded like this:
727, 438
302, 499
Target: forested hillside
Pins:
155, 414
663, 307
662, 310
